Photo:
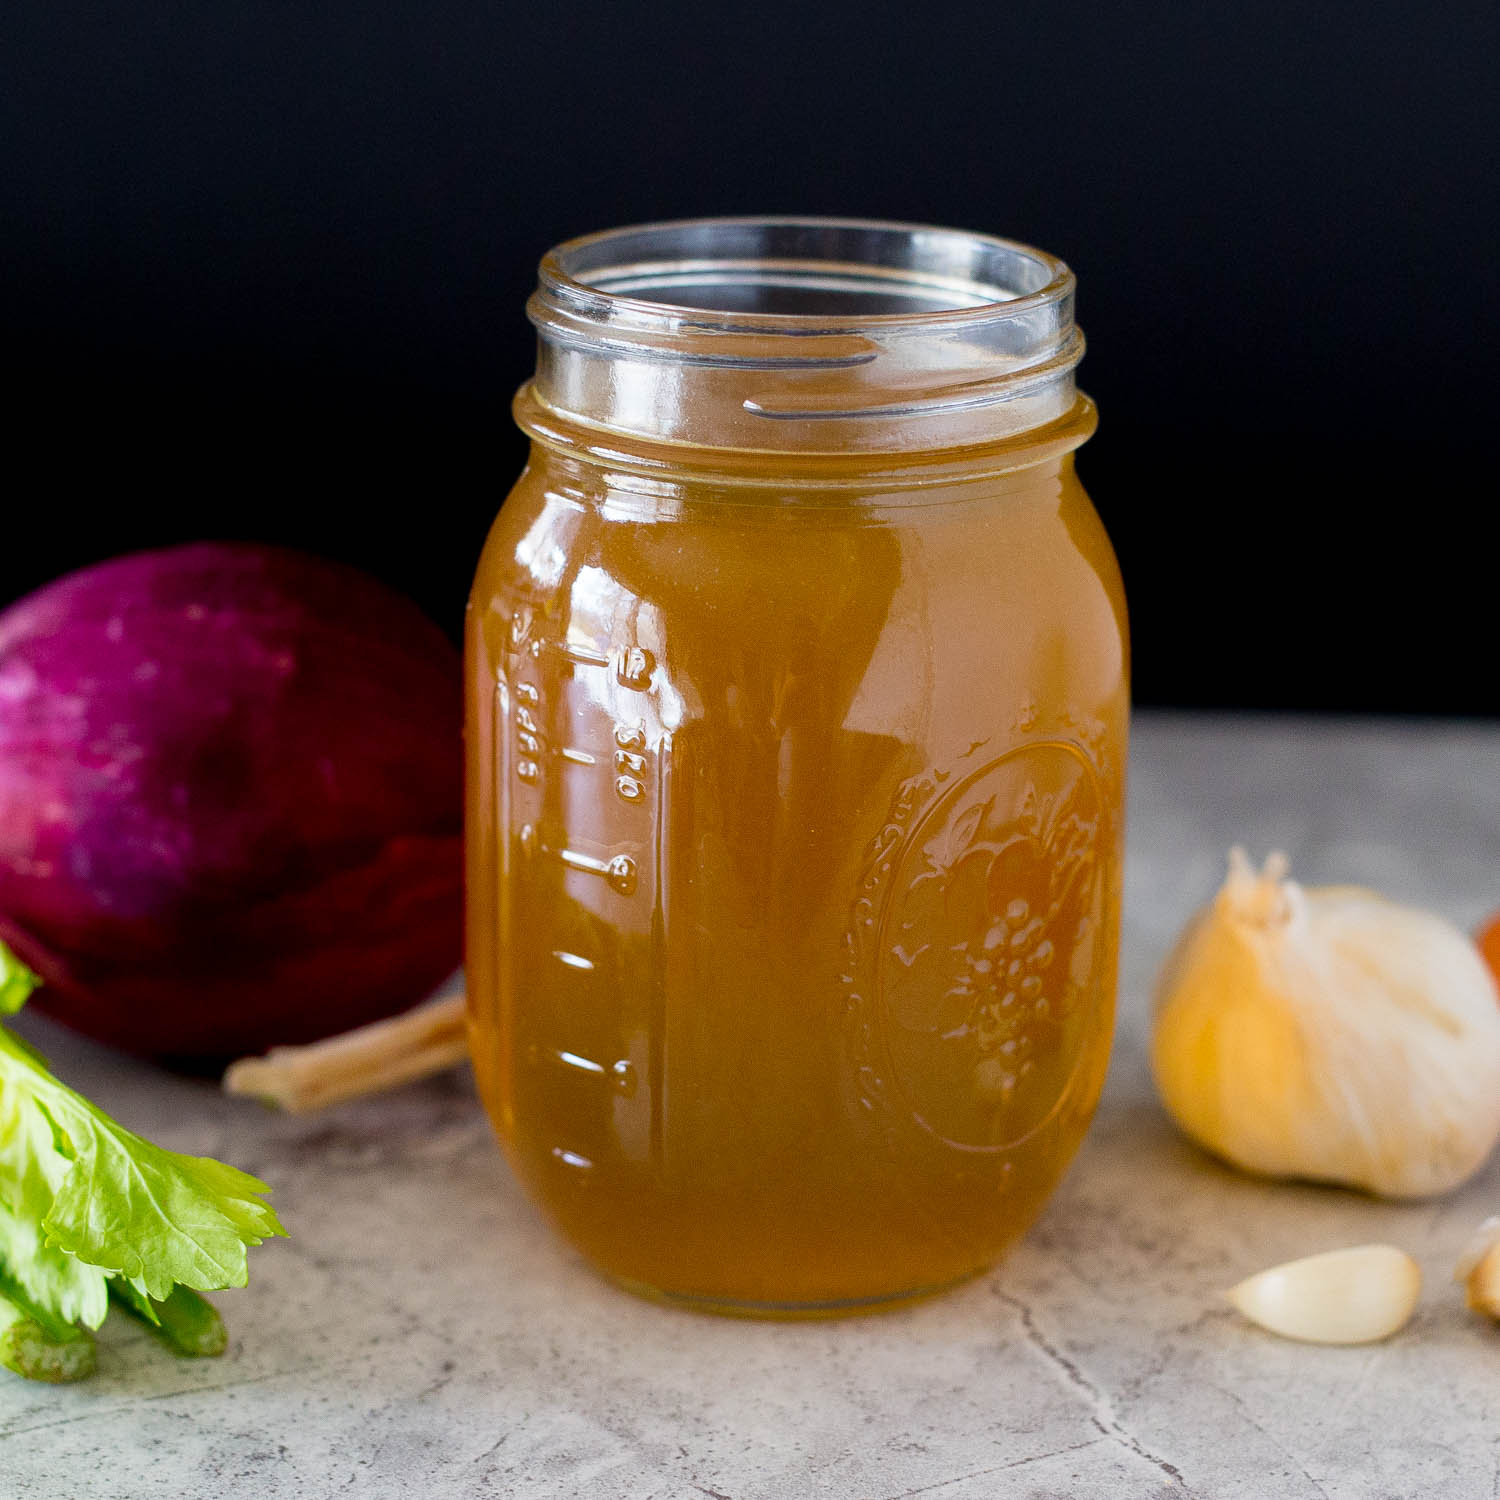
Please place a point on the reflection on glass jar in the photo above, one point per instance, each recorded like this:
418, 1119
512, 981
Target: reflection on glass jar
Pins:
797, 718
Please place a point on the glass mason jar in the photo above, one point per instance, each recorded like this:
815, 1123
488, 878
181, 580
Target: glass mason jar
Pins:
797, 686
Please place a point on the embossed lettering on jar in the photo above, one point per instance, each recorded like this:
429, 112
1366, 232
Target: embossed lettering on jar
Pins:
798, 702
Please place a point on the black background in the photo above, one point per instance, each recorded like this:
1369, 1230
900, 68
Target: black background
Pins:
265, 266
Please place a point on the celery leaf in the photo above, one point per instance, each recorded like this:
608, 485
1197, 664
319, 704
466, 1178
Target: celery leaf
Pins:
16, 982
157, 1217
84, 1201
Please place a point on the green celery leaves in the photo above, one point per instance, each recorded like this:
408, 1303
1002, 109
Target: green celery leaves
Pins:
16, 982
85, 1202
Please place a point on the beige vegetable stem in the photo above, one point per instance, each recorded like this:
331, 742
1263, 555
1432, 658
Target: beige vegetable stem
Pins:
369, 1060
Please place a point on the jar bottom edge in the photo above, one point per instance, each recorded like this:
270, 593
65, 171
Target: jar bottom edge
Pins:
731, 1307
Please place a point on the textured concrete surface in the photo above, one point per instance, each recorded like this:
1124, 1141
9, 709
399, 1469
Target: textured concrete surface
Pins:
423, 1334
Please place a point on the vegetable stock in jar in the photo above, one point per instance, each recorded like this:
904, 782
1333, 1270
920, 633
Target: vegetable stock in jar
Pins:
797, 694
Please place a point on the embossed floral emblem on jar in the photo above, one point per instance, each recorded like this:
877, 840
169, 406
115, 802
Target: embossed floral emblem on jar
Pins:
977, 946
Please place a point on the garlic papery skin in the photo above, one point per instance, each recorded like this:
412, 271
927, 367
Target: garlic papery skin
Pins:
1354, 1296
1329, 1034
1478, 1269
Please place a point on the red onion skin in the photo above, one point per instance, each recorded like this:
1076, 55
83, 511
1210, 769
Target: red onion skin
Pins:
230, 799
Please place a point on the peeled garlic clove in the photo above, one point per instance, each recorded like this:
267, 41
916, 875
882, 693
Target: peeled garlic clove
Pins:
1329, 1034
1354, 1296
1478, 1269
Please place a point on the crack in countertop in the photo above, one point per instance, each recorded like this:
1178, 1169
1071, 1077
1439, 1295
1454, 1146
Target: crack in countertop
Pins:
1102, 1413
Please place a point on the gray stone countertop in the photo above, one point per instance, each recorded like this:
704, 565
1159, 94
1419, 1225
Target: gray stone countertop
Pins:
423, 1334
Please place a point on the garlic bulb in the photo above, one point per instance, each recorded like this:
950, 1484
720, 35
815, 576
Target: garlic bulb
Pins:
1354, 1296
1329, 1034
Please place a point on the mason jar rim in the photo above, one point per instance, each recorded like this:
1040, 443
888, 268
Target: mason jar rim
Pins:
581, 274
804, 334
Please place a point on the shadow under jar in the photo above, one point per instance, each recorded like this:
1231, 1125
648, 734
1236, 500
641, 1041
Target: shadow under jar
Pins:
797, 686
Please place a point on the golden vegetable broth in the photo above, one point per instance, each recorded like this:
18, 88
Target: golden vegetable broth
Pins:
832, 1024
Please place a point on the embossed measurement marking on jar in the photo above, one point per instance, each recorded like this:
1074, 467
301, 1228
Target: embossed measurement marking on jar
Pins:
582, 766
630, 761
634, 669
619, 1076
620, 1073
634, 665
619, 872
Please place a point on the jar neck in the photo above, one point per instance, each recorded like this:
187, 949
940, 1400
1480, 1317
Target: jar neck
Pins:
633, 461
802, 337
